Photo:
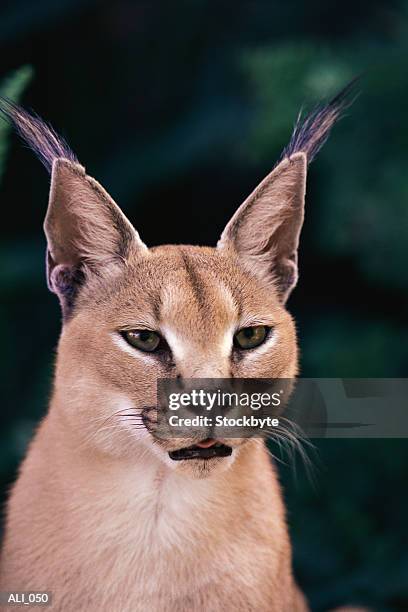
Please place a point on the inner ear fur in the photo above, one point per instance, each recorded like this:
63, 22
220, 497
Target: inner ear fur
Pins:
264, 232
86, 231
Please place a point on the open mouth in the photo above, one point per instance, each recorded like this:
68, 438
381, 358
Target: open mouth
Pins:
198, 451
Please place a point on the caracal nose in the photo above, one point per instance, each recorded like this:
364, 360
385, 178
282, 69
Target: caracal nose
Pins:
190, 368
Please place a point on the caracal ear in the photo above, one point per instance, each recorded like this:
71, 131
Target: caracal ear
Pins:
86, 231
83, 224
264, 232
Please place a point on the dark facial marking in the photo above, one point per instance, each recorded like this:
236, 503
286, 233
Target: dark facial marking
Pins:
195, 282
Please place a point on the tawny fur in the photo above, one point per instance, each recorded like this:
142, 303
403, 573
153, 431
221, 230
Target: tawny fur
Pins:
100, 515
96, 516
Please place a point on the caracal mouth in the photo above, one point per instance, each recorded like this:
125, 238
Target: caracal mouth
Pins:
207, 449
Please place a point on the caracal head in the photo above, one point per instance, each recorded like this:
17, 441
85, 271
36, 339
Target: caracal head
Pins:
133, 314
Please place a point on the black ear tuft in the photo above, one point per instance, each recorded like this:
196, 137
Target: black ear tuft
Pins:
310, 133
38, 134
87, 233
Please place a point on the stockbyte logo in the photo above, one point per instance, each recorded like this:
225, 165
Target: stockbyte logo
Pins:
223, 421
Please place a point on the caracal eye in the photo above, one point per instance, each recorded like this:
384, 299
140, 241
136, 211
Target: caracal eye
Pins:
142, 339
250, 337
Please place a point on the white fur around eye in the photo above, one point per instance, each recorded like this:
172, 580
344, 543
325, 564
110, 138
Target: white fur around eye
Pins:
175, 342
262, 348
134, 352
180, 346
227, 342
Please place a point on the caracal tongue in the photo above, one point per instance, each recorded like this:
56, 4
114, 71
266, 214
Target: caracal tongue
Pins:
206, 443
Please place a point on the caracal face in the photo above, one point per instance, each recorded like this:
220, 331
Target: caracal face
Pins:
196, 299
133, 315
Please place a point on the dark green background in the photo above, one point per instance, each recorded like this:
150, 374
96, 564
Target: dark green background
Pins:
179, 109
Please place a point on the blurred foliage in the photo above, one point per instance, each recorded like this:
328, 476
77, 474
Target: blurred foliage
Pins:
374, 235
14, 441
12, 88
180, 109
